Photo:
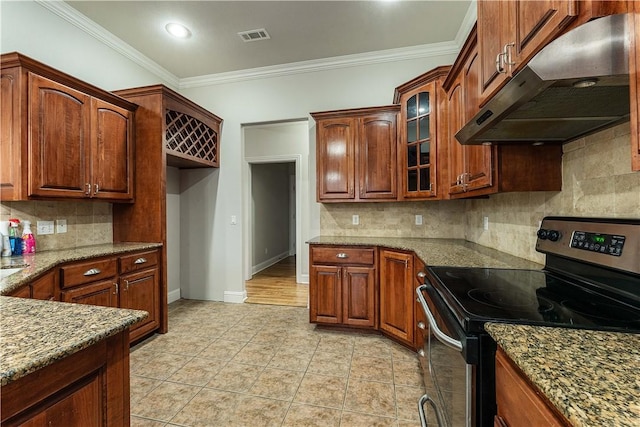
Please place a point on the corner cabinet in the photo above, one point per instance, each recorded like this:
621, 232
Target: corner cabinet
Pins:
342, 287
356, 154
397, 295
422, 118
62, 138
478, 170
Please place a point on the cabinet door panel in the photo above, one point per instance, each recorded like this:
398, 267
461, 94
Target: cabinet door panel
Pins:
539, 21
59, 139
377, 157
325, 297
101, 293
11, 166
336, 155
46, 287
358, 296
456, 152
139, 291
397, 295
494, 26
112, 152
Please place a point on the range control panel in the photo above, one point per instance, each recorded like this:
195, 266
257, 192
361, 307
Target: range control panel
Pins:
613, 243
610, 244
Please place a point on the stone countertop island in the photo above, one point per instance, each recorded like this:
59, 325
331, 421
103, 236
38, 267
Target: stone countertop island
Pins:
591, 377
35, 334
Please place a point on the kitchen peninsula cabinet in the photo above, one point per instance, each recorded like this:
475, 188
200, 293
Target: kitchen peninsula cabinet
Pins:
422, 123
477, 170
519, 403
170, 131
342, 289
356, 154
90, 282
62, 138
397, 295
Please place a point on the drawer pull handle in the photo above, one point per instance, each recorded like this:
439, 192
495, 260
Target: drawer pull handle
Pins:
92, 272
421, 325
140, 260
342, 255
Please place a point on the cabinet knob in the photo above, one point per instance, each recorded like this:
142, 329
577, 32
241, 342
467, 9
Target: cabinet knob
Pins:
421, 274
342, 255
421, 353
140, 260
421, 325
92, 272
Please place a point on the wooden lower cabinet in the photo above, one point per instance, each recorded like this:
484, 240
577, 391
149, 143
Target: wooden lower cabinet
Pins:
139, 291
397, 301
342, 293
87, 389
519, 403
103, 293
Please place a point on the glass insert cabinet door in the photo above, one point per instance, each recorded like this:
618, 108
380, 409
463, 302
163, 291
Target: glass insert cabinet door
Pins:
419, 163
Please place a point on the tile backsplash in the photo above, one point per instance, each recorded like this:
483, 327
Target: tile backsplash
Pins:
597, 181
88, 223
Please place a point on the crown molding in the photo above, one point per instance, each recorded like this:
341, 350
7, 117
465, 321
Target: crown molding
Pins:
377, 57
468, 21
85, 24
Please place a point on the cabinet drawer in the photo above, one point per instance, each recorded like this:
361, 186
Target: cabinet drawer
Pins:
332, 255
88, 271
138, 261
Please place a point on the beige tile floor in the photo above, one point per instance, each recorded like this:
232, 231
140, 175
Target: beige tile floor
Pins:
262, 365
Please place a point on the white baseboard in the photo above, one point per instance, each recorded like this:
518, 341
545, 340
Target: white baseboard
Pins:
304, 278
268, 263
235, 297
173, 296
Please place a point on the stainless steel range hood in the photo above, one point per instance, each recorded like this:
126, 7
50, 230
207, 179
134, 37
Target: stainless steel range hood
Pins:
576, 85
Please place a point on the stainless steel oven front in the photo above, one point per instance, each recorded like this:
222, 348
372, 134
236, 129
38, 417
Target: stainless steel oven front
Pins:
458, 368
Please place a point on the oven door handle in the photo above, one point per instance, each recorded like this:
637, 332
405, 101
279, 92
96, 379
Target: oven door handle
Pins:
441, 336
423, 416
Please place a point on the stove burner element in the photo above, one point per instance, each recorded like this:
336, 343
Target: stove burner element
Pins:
602, 311
513, 300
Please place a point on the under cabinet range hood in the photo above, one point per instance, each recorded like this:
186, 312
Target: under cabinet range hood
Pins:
576, 85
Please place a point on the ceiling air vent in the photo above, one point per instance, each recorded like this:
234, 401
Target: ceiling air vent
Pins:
254, 35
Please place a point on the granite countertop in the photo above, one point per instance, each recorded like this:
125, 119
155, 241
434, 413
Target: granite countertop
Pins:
437, 252
34, 333
41, 262
591, 377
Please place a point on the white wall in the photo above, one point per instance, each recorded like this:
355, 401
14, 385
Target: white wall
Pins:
31, 29
173, 233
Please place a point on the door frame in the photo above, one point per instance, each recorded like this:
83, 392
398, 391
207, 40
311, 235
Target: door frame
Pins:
248, 240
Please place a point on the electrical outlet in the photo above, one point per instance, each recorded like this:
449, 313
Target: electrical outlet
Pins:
44, 227
234, 220
61, 226
485, 223
355, 219
418, 219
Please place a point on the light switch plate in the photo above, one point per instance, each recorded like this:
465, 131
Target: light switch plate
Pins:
418, 219
355, 219
485, 223
44, 227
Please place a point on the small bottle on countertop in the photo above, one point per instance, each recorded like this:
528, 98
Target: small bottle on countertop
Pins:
14, 237
28, 240
4, 235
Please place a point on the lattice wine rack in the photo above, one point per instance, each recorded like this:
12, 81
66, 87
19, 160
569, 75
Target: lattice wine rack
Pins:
188, 135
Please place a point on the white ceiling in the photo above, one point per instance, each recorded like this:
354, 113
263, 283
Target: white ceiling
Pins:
299, 30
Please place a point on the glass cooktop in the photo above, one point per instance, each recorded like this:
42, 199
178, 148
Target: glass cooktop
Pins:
478, 295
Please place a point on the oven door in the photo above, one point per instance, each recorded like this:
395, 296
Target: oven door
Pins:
449, 379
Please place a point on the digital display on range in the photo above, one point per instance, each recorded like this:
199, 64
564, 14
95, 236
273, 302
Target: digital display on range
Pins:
609, 244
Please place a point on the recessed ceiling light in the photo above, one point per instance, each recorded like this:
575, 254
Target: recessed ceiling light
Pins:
178, 30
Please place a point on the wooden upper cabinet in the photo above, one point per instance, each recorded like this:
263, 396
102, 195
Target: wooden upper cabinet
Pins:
634, 91
69, 139
112, 152
336, 158
356, 154
421, 121
59, 149
511, 32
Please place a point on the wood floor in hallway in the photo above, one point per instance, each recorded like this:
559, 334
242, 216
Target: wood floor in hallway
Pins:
277, 285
